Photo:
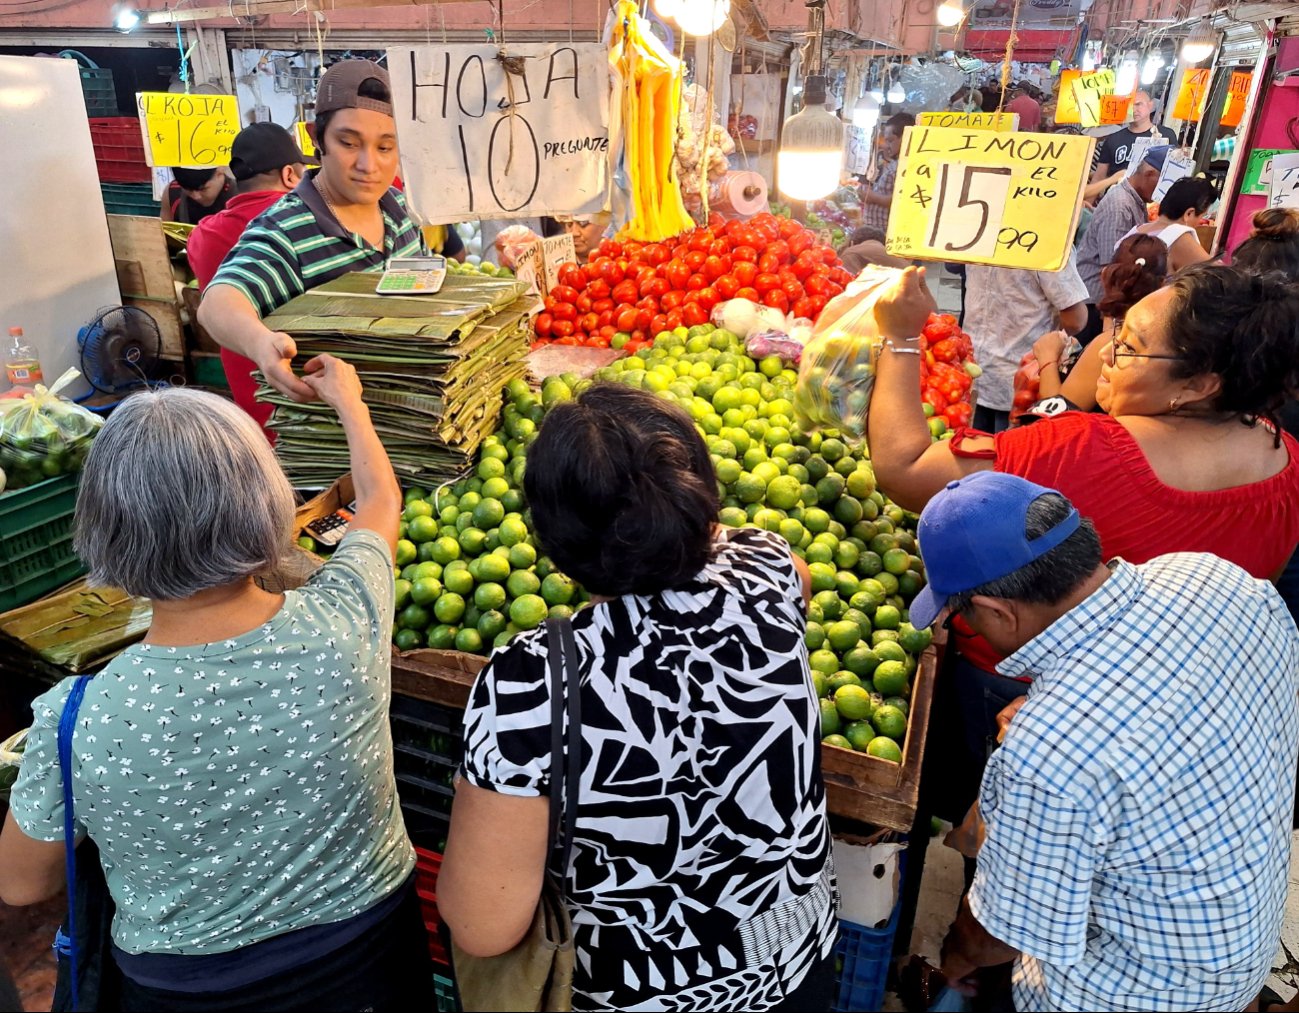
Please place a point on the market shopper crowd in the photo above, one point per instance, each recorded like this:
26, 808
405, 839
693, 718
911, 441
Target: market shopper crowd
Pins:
1106, 574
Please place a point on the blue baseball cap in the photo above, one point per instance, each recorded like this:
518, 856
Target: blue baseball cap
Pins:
973, 532
1157, 156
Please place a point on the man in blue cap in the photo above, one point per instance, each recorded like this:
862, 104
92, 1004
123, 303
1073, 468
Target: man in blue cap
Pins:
1119, 212
1137, 815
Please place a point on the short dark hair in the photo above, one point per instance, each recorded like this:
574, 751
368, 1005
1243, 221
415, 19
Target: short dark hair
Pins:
193, 179
622, 491
269, 180
865, 233
1272, 246
1241, 326
1054, 575
1185, 195
899, 122
371, 87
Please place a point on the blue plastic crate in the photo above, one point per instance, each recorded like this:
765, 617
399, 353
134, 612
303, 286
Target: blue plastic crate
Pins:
864, 955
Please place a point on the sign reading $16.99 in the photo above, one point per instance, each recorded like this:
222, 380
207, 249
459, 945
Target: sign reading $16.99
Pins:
975, 197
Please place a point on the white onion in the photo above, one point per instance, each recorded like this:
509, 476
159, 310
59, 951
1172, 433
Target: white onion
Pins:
740, 317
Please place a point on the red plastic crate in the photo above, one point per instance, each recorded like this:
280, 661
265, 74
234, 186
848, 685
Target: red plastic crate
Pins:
123, 172
427, 866
119, 149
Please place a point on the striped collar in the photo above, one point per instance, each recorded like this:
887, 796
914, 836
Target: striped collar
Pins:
329, 225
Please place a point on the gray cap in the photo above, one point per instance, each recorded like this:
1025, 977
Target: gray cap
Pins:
340, 87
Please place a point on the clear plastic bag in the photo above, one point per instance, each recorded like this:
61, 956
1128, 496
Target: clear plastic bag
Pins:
837, 371
44, 435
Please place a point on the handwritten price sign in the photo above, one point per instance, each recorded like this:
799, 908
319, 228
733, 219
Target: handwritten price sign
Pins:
1284, 190
187, 130
1115, 109
1088, 84
483, 137
302, 134
1000, 122
1010, 200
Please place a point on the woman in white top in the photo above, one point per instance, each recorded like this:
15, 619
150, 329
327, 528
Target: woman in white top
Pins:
1179, 212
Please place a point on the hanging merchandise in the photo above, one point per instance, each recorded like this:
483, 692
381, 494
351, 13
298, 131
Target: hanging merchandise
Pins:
738, 195
702, 145
646, 78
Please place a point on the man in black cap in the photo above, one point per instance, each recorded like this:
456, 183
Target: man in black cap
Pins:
343, 217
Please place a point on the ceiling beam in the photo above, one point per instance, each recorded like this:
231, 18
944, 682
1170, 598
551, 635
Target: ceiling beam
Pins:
257, 8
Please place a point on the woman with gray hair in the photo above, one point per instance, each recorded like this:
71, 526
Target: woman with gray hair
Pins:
235, 769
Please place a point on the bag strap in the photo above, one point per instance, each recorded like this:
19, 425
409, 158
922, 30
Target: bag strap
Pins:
67, 725
565, 739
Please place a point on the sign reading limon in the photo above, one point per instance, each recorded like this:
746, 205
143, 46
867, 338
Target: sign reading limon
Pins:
187, 130
1010, 200
1000, 122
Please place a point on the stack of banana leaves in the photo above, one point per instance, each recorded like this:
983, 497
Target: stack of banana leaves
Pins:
76, 630
433, 367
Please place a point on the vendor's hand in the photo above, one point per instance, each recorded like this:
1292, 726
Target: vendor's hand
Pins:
276, 364
1007, 714
959, 972
333, 381
903, 308
1050, 347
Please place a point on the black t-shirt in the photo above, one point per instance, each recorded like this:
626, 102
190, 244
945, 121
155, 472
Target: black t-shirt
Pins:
191, 212
1116, 148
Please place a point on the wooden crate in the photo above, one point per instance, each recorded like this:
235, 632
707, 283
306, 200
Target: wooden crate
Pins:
440, 677
875, 791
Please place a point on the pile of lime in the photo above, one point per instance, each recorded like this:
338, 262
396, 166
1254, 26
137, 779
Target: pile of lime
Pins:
471, 576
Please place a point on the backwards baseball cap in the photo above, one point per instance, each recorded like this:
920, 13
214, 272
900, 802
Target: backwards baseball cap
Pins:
973, 532
340, 87
264, 147
1156, 157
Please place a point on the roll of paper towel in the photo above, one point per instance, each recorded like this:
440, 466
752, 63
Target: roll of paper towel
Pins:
738, 194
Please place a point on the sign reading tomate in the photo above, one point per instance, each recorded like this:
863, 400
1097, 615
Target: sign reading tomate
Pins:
1010, 200
491, 134
187, 130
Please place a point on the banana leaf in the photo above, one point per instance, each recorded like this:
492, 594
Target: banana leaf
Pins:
77, 629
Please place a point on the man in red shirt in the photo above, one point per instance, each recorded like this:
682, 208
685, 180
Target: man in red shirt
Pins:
266, 164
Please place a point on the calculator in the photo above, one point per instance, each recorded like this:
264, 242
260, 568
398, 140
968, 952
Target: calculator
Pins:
329, 530
413, 276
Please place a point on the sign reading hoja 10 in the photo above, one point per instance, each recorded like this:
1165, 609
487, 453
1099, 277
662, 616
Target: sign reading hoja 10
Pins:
977, 197
487, 133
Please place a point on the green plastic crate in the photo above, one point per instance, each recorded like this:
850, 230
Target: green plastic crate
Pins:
129, 199
99, 91
444, 992
36, 554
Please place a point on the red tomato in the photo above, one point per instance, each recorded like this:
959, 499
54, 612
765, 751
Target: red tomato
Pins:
562, 328
802, 308
766, 282
626, 319
658, 325
565, 311
674, 319
834, 289
828, 256
840, 276
695, 259
648, 303
598, 288
589, 322
639, 336
715, 267
572, 275
708, 298
570, 340
658, 287
625, 292
602, 305
768, 263
542, 324
696, 282
817, 303
610, 248
656, 253
745, 254
606, 318
672, 300
777, 299
793, 290
694, 315
789, 227
751, 294
817, 284
935, 398
677, 273
799, 241
748, 236
643, 319
726, 286
564, 293
719, 248
583, 302
958, 415
744, 273
644, 273
780, 250
701, 239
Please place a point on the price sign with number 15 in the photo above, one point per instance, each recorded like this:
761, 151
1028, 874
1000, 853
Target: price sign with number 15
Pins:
1010, 200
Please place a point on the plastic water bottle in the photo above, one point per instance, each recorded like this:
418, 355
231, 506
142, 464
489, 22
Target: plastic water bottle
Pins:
22, 365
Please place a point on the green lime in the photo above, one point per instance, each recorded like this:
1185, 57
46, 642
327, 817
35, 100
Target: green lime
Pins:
472, 541
489, 596
469, 640
915, 641
897, 561
884, 748
814, 637
413, 617
523, 582
488, 513
425, 591
890, 679
449, 608
821, 554
558, 589
839, 680
845, 583
816, 520
784, 492
407, 640
458, 581
859, 734
401, 593
890, 650
560, 612
860, 618
843, 635
861, 661
887, 618
890, 721
830, 604
830, 722
791, 530
848, 511
823, 574
527, 611
829, 489
836, 740
823, 661
521, 556
513, 531
852, 702
446, 549
442, 637
422, 529
883, 636
406, 552
861, 483
491, 623
493, 568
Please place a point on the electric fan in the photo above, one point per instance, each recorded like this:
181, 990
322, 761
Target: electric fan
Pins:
119, 349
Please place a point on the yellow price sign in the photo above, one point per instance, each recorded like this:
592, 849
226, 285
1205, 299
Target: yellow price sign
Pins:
303, 134
187, 130
1100, 82
1009, 200
1001, 122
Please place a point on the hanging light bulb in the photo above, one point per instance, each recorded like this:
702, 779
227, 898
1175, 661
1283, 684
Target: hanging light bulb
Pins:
811, 147
1089, 59
1125, 82
950, 14
897, 94
667, 8
866, 113
701, 17
125, 18
1201, 43
1150, 69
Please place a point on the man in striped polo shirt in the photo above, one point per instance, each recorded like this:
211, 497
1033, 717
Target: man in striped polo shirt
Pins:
344, 216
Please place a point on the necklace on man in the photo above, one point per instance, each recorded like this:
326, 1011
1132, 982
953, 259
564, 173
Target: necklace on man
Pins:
326, 194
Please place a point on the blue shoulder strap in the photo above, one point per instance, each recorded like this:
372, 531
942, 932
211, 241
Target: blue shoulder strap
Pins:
67, 724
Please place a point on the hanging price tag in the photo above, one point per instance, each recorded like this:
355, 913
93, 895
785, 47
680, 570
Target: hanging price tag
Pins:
302, 133
187, 130
1284, 189
1011, 200
1098, 82
1115, 109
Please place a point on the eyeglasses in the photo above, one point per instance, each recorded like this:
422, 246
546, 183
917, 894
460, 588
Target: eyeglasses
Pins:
1120, 349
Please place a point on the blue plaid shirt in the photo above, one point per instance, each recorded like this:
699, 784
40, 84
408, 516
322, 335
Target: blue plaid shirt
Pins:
1138, 813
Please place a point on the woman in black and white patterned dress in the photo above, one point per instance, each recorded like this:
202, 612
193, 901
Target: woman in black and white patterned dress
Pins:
701, 875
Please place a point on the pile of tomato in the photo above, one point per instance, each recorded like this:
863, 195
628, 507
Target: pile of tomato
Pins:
947, 370
630, 292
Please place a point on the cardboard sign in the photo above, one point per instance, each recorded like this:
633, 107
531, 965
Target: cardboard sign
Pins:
1193, 93
1115, 109
538, 265
1237, 98
1010, 200
1138, 155
187, 130
1095, 82
302, 134
1176, 166
1258, 170
1283, 191
1000, 122
478, 142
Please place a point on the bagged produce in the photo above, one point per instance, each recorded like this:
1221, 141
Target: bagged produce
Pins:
11, 758
837, 371
44, 435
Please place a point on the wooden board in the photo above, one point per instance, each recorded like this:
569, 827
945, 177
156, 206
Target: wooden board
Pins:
145, 278
440, 677
875, 791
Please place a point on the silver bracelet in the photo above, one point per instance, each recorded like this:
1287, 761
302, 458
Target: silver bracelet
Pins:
892, 346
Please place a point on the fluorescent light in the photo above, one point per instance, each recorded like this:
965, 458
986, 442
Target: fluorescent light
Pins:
866, 113
701, 17
667, 8
1125, 82
1150, 69
1201, 43
950, 14
811, 148
897, 93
